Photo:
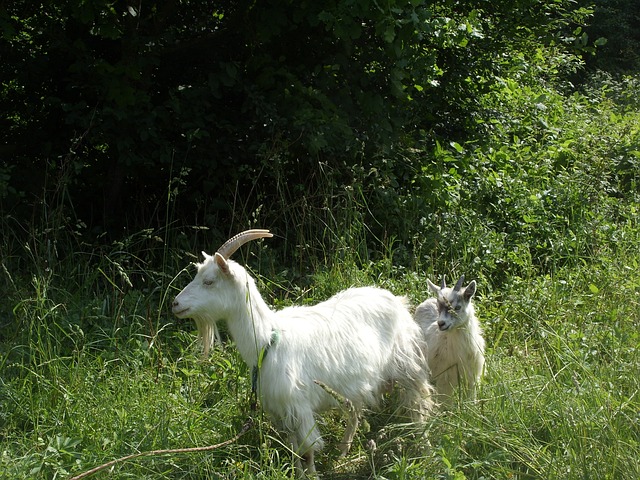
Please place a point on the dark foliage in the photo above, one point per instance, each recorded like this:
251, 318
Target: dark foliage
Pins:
126, 116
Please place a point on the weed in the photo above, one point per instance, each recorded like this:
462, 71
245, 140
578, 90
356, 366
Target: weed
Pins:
94, 368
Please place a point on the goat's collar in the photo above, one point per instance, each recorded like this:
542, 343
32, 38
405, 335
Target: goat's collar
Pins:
275, 336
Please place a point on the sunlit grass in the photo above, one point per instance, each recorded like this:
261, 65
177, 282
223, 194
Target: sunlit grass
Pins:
94, 367
560, 397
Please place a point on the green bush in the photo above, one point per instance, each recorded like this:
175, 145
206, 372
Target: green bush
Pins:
385, 145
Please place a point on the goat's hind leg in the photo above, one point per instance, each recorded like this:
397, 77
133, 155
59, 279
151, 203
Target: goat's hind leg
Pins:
418, 396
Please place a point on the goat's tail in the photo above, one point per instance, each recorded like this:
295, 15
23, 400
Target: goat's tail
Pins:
413, 374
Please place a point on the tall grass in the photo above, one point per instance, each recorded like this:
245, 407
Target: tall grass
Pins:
94, 367
560, 397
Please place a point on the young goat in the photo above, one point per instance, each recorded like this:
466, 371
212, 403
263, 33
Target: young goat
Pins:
356, 343
455, 346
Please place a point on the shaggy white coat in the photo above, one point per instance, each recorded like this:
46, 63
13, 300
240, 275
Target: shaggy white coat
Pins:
357, 343
455, 345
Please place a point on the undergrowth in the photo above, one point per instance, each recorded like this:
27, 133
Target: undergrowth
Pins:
94, 367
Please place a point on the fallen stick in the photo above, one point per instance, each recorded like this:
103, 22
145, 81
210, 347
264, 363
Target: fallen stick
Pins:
245, 429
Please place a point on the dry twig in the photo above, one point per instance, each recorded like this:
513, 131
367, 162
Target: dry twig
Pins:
245, 429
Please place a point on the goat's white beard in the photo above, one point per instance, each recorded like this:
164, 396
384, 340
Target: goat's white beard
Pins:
208, 333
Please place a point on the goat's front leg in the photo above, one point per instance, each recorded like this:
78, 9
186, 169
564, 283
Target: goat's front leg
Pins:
303, 462
309, 467
305, 465
305, 440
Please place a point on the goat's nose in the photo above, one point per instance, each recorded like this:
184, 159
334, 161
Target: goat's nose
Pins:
175, 302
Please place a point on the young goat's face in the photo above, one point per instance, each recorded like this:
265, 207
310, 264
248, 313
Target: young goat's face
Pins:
210, 293
454, 304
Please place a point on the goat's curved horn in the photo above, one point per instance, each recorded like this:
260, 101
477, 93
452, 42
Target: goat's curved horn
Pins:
230, 246
459, 284
444, 283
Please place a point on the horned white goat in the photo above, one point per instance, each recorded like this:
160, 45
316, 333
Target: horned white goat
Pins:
356, 343
455, 345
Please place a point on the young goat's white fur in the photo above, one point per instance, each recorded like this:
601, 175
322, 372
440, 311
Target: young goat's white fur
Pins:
357, 343
455, 346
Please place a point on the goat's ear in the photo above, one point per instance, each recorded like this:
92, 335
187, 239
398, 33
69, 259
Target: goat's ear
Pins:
470, 290
222, 263
434, 288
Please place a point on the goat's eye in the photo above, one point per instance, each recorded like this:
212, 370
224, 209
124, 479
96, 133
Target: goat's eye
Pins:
458, 307
208, 282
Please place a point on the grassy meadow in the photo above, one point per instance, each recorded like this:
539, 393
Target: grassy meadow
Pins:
544, 215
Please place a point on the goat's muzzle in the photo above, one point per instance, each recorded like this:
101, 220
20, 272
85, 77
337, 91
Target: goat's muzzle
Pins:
443, 326
178, 310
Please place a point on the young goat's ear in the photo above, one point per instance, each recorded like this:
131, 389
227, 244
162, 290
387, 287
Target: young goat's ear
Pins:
470, 290
434, 288
222, 263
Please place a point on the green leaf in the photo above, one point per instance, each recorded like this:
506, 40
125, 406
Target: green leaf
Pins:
389, 34
458, 148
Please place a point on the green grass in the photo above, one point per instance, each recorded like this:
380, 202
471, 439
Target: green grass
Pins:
560, 398
94, 367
